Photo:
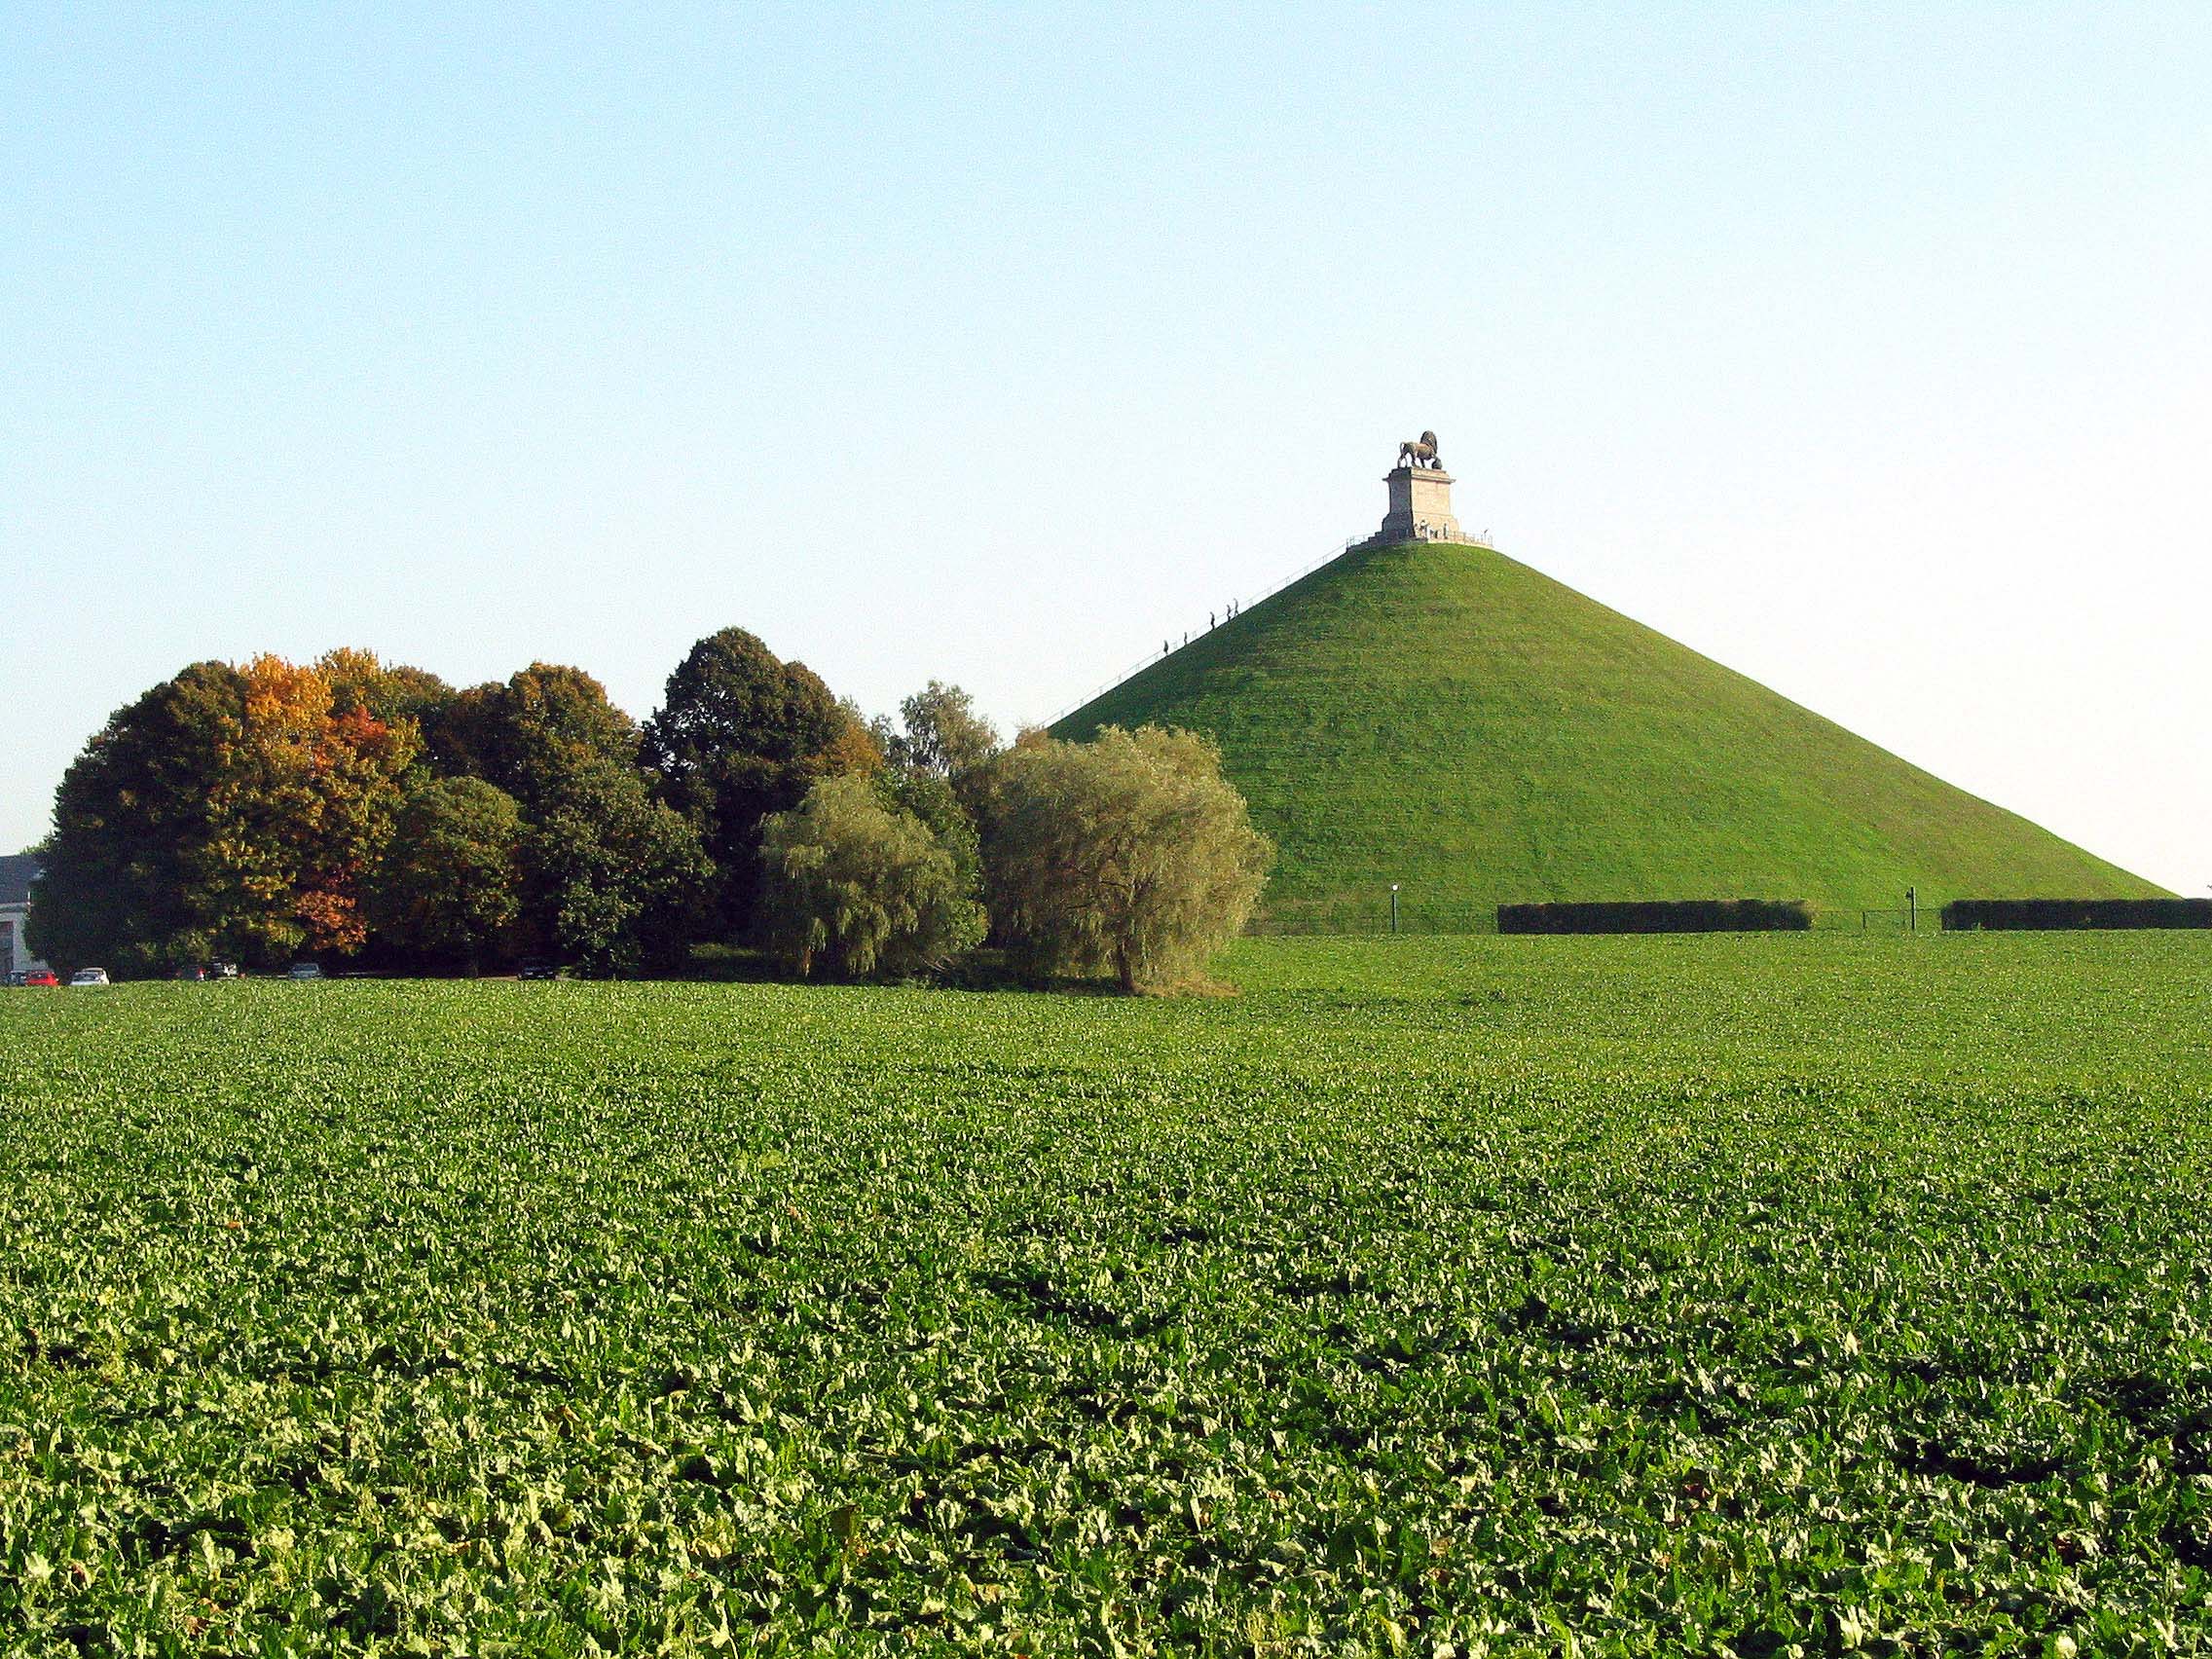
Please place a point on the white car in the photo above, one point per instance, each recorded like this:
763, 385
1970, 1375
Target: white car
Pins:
89, 977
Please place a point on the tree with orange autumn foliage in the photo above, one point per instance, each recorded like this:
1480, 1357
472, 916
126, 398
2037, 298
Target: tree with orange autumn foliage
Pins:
308, 808
231, 812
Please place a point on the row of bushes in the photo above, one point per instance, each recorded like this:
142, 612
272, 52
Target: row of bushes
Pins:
1969, 915
1794, 915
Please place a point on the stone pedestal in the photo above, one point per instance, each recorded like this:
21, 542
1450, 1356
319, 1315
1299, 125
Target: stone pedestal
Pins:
1421, 507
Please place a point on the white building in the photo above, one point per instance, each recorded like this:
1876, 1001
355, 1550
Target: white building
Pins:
18, 871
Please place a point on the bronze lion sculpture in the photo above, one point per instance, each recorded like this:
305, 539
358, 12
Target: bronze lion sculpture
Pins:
1419, 452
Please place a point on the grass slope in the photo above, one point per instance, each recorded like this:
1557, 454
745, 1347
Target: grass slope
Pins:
1445, 717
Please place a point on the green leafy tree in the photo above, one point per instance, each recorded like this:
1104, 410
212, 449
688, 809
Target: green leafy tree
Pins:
539, 732
449, 890
457, 733
931, 800
126, 882
857, 885
741, 734
610, 877
939, 735
1130, 855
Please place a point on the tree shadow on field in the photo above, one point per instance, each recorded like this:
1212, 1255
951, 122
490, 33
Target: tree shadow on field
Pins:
987, 972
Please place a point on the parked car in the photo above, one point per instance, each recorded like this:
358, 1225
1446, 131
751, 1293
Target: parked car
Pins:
19, 976
192, 974
539, 971
41, 977
89, 977
305, 971
222, 970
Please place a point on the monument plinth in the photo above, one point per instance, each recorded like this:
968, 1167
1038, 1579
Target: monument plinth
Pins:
1421, 507
1420, 497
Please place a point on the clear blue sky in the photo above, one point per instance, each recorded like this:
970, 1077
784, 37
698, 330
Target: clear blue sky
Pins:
1865, 348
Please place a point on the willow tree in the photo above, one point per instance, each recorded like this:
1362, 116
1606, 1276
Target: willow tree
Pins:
857, 885
1130, 855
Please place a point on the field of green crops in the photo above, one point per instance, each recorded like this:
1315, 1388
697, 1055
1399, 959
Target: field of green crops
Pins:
1791, 1294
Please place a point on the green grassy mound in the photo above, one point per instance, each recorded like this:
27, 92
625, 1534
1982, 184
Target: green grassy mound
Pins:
1447, 719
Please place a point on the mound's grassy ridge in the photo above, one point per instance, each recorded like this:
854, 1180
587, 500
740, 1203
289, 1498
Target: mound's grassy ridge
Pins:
1447, 719
1521, 1296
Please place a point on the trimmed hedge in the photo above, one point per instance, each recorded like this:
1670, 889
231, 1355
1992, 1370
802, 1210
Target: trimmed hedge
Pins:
1659, 915
1968, 916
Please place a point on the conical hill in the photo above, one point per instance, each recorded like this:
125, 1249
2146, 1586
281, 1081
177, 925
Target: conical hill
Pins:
1441, 717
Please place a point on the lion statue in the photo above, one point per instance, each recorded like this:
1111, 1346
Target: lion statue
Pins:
1419, 452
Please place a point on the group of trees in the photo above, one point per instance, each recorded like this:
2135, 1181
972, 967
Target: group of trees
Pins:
257, 812
1129, 857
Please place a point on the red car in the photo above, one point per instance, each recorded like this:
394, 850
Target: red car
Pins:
41, 977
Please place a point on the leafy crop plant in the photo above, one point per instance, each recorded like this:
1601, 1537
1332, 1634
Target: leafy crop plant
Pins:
1763, 1295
